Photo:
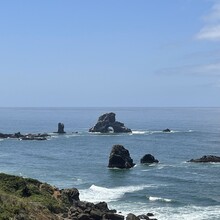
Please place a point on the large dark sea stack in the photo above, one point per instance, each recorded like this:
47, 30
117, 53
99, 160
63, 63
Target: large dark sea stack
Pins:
120, 158
206, 159
107, 123
61, 128
148, 158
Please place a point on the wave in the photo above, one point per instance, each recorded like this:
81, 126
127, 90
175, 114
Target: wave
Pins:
168, 212
98, 193
160, 199
140, 132
148, 132
188, 212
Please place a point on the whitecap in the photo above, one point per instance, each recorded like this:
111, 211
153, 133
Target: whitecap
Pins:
98, 193
153, 199
140, 132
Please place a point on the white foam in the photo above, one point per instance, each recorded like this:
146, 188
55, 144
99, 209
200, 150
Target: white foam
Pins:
171, 213
188, 212
153, 199
98, 193
140, 132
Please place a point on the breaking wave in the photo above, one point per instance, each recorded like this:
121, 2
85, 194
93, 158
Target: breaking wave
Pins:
98, 193
153, 199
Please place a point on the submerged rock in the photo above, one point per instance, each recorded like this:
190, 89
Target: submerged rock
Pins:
167, 130
148, 158
107, 123
120, 158
206, 159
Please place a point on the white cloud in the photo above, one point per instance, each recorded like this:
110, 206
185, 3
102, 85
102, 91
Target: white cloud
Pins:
209, 33
211, 29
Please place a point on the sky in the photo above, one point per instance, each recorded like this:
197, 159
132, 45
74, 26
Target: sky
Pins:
110, 53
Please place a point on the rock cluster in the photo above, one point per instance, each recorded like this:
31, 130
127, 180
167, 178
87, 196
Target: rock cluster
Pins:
206, 159
107, 123
90, 211
131, 216
18, 135
120, 158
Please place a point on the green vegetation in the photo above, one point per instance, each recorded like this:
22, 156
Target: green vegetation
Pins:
22, 198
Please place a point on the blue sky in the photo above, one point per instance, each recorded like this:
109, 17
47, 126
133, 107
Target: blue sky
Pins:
109, 53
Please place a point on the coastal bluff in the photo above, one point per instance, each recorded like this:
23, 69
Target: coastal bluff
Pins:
107, 124
27, 199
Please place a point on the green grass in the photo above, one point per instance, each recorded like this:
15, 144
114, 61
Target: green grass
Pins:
27, 198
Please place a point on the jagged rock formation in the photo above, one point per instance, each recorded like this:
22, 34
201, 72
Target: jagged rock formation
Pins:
206, 159
148, 158
120, 158
107, 123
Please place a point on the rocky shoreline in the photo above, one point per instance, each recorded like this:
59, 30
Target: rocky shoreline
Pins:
33, 199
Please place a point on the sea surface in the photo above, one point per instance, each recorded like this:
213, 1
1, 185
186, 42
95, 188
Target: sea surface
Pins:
173, 189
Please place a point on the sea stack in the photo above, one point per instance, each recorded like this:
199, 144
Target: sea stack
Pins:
108, 124
61, 128
120, 158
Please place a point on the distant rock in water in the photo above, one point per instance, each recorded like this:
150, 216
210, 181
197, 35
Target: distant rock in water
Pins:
148, 158
167, 130
206, 159
18, 135
120, 158
107, 124
61, 128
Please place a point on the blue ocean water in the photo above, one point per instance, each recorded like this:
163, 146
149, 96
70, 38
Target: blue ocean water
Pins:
172, 189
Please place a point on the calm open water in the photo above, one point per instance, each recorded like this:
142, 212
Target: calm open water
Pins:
172, 189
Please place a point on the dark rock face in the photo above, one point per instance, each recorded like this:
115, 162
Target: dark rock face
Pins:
206, 159
120, 158
107, 123
167, 130
61, 128
148, 158
131, 216
70, 195
89, 211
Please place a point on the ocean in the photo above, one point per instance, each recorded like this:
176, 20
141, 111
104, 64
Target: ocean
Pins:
173, 189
